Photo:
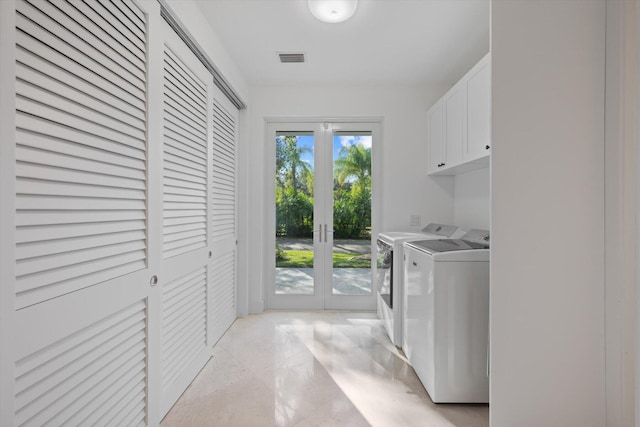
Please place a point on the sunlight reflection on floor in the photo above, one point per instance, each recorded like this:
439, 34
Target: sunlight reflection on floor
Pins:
312, 369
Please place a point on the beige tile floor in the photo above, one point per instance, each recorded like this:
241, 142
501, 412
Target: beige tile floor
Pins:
312, 369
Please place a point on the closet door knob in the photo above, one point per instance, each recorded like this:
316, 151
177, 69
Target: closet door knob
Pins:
486, 147
154, 280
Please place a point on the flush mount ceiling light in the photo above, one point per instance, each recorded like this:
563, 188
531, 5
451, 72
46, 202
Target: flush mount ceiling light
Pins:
333, 11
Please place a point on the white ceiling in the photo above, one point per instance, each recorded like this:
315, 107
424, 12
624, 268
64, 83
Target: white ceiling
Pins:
386, 42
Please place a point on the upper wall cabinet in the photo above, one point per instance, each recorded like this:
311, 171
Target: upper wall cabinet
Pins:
478, 109
459, 134
446, 127
435, 123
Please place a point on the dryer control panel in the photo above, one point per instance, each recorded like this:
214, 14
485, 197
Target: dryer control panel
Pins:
478, 236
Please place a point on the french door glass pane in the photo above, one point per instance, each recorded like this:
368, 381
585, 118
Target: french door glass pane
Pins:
351, 214
294, 213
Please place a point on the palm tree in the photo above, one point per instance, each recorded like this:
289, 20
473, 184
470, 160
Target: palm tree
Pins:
354, 162
290, 168
352, 191
294, 192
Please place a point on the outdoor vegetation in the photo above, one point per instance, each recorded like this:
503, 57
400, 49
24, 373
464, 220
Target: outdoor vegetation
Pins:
304, 259
294, 191
294, 199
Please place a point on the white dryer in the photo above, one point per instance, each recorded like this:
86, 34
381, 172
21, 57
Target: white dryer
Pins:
390, 272
446, 316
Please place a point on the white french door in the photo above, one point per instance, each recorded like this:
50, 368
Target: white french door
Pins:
320, 208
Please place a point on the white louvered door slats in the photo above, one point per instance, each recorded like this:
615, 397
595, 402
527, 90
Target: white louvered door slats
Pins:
224, 214
184, 323
185, 158
86, 364
187, 96
119, 203
95, 376
80, 326
224, 172
223, 295
80, 145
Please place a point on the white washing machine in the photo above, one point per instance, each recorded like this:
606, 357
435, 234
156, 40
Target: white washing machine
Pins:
446, 316
390, 272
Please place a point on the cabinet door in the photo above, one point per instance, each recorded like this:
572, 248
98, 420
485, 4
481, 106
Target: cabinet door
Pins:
186, 169
224, 207
454, 126
435, 123
76, 236
478, 87
118, 214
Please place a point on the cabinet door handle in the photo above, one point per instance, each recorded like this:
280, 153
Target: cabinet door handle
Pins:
486, 147
414, 263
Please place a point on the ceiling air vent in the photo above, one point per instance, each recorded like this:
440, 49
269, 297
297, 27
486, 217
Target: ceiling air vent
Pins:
287, 58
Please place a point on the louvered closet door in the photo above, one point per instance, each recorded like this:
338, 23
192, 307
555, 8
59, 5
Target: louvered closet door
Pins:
187, 100
223, 267
82, 289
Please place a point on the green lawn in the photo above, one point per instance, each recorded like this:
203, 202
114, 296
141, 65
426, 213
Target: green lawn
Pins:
304, 259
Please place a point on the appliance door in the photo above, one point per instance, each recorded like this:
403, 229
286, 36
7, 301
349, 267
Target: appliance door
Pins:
384, 275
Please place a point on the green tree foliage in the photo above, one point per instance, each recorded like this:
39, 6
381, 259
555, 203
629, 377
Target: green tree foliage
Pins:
352, 193
354, 163
294, 213
294, 191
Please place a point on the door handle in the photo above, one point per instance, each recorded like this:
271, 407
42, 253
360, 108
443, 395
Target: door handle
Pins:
326, 230
319, 231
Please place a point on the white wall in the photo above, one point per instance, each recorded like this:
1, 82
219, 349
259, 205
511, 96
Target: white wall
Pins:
406, 189
547, 262
472, 204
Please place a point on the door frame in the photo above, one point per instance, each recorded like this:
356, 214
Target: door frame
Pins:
373, 124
